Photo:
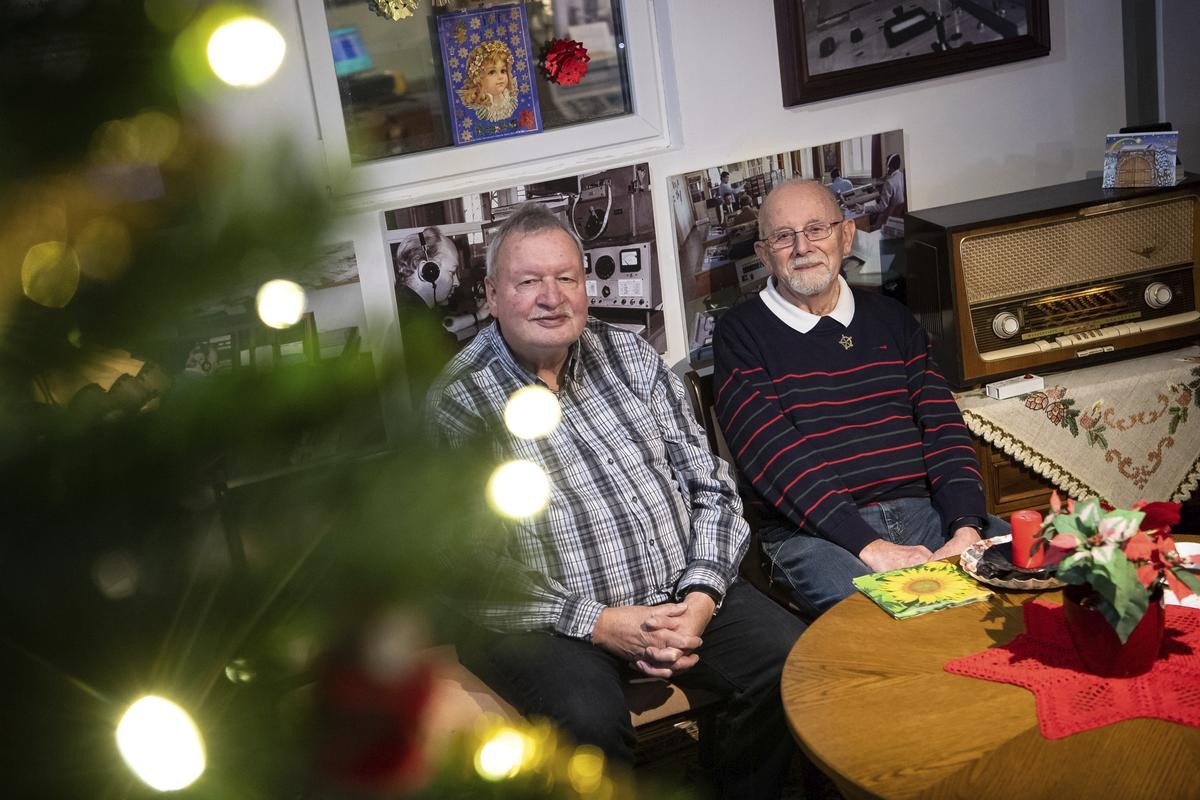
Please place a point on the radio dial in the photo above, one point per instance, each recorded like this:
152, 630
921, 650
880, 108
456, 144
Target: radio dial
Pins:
1005, 324
605, 267
1158, 295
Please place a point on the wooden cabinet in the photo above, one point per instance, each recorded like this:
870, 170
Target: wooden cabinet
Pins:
1008, 485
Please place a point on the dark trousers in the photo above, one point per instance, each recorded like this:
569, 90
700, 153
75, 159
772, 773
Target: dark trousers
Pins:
578, 686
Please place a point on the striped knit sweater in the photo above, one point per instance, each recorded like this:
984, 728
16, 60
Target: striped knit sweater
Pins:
820, 429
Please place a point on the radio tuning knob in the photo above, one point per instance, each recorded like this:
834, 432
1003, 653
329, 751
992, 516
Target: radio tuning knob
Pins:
1158, 295
1005, 324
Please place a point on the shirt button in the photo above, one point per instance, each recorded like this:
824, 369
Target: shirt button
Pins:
610, 461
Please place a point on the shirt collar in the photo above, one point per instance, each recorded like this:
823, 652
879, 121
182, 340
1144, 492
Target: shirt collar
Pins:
571, 372
800, 319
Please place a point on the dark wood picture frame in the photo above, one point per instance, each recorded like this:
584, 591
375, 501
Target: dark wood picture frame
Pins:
800, 87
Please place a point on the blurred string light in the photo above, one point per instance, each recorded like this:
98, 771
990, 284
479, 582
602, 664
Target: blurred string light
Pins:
280, 303
532, 412
245, 51
150, 137
240, 671
518, 489
50, 274
116, 575
161, 744
585, 769
104, 247
503, 754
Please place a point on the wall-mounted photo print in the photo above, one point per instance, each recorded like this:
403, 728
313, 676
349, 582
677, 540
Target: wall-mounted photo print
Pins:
438, 253
488, 64
716, 213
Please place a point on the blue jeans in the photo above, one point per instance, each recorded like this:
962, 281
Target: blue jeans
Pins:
819, 573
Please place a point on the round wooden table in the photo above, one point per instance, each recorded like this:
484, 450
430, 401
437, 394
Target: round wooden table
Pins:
868, 701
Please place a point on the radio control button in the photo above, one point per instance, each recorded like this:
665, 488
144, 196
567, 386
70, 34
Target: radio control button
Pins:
1005, 324
1158, 295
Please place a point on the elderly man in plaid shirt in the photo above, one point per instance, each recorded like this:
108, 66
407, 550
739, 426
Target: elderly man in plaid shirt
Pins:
632, 568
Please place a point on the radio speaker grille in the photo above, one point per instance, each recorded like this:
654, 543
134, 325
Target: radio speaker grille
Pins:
1103, 245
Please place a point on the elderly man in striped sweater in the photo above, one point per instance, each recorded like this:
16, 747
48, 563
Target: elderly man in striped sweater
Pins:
837, 416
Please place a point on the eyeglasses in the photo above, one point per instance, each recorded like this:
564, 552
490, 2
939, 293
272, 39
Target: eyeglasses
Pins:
813, 232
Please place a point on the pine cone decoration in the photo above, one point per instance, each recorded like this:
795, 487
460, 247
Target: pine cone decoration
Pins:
1036, 401
395, 10
1054, 412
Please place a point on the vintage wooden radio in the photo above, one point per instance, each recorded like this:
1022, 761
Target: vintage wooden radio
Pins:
1055, 278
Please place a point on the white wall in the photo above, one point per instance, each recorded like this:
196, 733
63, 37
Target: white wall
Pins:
1003, 129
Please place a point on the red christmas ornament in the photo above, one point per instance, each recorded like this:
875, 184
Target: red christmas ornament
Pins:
565, 61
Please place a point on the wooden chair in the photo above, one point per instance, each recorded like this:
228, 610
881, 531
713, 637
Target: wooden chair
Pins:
461, 699
755, 567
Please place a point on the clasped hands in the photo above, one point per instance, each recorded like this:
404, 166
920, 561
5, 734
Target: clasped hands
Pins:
659, 641
882, 555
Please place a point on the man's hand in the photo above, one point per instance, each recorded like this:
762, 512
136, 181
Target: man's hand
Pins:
881, 555
963, 538
657, 640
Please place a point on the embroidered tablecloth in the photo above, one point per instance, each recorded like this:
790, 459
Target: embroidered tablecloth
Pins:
1121, 431
1069, 700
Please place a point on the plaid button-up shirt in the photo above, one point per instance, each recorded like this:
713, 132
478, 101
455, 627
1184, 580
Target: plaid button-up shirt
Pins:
640, 509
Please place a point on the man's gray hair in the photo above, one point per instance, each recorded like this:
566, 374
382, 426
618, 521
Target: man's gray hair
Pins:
822, 188
528, 218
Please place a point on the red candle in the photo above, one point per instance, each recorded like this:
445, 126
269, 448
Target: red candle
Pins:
1025, 525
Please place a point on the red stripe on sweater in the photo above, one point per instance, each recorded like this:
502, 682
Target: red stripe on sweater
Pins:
734, 374
819, 434
772, 420
948, 449
849, 458
936, 428
843, 402
854, 489
738, 410
792, 375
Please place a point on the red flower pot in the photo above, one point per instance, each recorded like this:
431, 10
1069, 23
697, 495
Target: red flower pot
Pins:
1099, 647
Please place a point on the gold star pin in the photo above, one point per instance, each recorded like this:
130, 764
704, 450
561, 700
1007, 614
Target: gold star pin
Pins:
846, 342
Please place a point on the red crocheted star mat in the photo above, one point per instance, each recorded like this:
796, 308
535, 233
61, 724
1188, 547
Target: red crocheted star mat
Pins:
1069, 700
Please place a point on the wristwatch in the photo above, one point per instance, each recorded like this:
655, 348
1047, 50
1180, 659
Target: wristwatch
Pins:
704, 588
968, 521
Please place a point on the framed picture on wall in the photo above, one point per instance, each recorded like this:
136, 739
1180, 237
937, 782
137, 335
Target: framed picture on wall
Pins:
832, 48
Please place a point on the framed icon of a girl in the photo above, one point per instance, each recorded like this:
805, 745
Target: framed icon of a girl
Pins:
488, 64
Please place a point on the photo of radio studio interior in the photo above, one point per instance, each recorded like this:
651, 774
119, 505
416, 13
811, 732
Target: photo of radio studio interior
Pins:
300, 502
716, 223
438, 249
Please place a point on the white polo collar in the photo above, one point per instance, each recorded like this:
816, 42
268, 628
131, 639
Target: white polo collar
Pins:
800, 319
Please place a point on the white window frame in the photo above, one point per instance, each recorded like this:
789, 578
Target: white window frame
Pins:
454, 171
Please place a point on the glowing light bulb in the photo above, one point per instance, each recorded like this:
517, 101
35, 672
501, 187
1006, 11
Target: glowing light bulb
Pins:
501, 756
50, 274
280, 303
518, 489
532, 412
245, 51
161, 744
585, 770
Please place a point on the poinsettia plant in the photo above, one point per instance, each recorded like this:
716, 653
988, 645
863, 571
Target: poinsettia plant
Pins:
1126, 555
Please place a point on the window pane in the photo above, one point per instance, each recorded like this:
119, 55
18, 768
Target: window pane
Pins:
392, 86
